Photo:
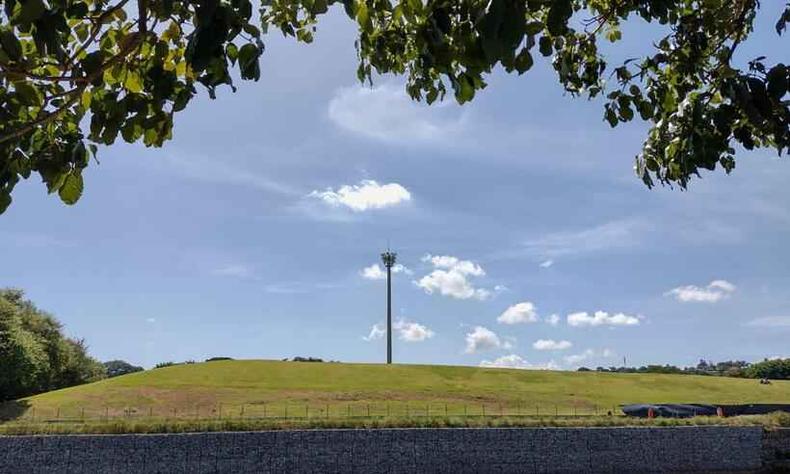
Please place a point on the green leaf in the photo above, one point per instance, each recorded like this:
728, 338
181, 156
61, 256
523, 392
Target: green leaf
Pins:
5, 201
28, 93
233, 52
524, 61
31, 11
11, 45
777, 81
559, 14
71, 190
544, 44
133, 82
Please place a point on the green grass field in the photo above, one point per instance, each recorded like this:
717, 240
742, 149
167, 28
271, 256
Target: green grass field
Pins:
293, 390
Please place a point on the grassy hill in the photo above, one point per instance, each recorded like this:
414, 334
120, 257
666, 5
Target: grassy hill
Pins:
270, 388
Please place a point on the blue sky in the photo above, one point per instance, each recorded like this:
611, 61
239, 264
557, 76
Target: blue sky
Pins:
524, 236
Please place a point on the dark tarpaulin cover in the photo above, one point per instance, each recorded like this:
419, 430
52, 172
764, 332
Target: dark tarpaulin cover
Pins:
685, 410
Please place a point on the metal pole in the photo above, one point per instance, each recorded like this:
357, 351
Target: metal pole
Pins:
389, 315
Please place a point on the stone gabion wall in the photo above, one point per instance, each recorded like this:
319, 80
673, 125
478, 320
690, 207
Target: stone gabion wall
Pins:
776, 450
689, 449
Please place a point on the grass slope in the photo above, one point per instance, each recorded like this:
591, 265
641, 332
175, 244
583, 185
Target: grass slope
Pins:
250, 387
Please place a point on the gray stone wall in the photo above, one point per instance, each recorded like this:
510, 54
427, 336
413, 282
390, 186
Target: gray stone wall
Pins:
677, 449
776, 450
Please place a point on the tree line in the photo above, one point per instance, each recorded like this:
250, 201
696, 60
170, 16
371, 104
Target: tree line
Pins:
35, 356
777, 369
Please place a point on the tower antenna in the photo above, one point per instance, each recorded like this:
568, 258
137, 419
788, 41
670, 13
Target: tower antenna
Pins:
389, 258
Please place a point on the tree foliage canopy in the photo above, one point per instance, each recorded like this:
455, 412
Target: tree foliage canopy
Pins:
77, 73
35, 356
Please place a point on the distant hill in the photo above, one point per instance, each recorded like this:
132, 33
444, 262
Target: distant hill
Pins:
257, 387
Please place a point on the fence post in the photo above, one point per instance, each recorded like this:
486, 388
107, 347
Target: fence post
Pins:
219, 414
82, 415
241, 413
556, 411
388, 410
466, 411
445, 410
286, 411
537, 411
57, 414
427, 410
307, 411
484, 409
327, 410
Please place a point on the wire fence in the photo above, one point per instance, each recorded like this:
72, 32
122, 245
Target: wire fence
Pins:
312, 411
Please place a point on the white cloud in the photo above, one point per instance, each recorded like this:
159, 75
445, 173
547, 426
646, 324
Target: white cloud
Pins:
387, 113
482, 339
546, 263
405, 330
366, 195
235, 270
770, 322
377, 272
553, 319
514, 361
715, 291
576, 359
377, 331
451, 276
551, 345
601, 318
150, 320
412, 332
523, 312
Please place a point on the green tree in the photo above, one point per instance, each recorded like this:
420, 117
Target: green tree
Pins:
770, 369
77, 73
35, 356
116, 368
23, 361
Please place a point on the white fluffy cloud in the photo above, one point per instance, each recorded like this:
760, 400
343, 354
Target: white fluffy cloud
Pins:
553, 319
601, 318
523, 312
715, 291
377, 272
366, 195
408, 331
546, 263
576, 359
451, 277
483, 339
514, 361
551, 345
386, 113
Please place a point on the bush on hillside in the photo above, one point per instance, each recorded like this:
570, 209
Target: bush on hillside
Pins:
35, 355
117, 368
777, 369
306, 359
214, 359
